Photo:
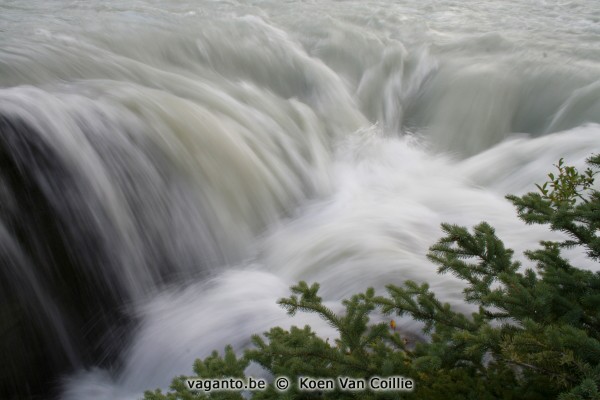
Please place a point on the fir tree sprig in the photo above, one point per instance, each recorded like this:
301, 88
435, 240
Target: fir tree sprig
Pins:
536, 334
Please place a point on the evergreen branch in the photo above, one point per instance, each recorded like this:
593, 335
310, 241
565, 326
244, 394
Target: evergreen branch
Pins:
422, 305
548, 345
309, 301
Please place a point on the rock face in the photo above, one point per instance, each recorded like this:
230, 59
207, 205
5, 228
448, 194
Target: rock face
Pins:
55, 313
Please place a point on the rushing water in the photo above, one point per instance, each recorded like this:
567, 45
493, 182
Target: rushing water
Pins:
169, 168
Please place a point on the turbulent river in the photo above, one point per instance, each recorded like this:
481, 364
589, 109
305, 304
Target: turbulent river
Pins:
169, 168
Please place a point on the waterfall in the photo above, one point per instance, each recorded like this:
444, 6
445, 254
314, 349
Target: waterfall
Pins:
169, 169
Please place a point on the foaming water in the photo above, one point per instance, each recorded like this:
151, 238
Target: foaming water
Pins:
375, 229
169, 169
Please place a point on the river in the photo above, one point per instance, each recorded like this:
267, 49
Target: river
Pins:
169, 168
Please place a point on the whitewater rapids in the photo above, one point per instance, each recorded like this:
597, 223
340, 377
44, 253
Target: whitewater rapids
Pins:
179, 164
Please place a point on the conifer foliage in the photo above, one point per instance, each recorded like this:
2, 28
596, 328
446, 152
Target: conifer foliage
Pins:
536, 334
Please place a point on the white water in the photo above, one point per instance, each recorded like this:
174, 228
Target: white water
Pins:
222, 151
